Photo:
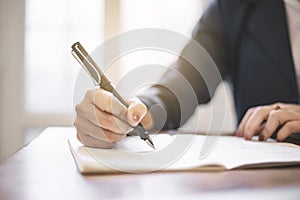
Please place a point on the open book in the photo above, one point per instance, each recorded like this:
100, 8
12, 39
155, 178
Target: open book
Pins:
184, 152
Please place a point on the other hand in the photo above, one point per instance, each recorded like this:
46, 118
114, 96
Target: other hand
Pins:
265, 120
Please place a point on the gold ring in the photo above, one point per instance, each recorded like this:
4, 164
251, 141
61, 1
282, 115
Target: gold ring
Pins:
276, 107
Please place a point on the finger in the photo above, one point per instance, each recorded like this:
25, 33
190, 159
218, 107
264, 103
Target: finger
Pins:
86, 110
106, 104
105, 101
88, 128
288, 129
253, 125
275, 120
114, 137
93, 142
112, 123
261, 138
240, 131
101, 118
289, 107
136, 111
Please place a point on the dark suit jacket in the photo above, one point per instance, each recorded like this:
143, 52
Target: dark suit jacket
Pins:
249, 42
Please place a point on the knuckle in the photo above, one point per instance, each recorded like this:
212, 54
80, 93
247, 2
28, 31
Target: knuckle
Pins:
249, 112
89, 94
108, 121
252, 109
76, 123
78, 108
258, 108
273, 114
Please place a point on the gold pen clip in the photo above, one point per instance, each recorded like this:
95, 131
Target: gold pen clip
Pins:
87, 63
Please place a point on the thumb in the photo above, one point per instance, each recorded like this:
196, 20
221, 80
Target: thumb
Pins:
136, 111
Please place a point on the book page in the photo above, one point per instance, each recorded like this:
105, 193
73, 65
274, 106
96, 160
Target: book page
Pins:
235, 152
182, 152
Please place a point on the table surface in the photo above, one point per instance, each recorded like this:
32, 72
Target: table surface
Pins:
45, 169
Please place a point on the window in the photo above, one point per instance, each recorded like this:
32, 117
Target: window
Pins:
51, 27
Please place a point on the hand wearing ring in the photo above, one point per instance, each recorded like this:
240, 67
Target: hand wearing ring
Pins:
265, 120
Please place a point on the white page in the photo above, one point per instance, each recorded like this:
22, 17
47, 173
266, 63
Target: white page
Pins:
233, 152
182, 153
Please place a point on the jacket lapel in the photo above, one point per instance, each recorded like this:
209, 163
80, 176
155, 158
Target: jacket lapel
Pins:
269, 27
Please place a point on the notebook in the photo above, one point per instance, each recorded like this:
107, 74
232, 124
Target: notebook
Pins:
183, 152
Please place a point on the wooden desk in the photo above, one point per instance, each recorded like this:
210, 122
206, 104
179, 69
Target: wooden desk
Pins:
45, 170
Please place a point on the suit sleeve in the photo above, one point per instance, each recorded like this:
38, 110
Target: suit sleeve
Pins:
170, 94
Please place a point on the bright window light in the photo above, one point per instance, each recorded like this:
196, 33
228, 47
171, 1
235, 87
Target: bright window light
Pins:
51, 27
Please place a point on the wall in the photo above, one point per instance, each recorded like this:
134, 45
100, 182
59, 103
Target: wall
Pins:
11, 66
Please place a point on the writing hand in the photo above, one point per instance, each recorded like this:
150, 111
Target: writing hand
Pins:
102, 120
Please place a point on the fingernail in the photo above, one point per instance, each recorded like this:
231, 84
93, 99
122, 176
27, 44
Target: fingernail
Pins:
136, 117
247, 136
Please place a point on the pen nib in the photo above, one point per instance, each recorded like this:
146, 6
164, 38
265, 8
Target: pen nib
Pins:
150, 143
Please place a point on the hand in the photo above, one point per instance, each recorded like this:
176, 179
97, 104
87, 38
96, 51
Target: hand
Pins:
266, 120
102, 120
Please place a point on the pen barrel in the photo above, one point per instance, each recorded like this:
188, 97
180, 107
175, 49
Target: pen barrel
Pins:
141, 131
108, 87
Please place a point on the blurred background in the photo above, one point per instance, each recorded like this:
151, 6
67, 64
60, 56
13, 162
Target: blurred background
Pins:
38, 72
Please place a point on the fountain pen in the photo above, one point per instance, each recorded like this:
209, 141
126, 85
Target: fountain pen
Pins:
101, 80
